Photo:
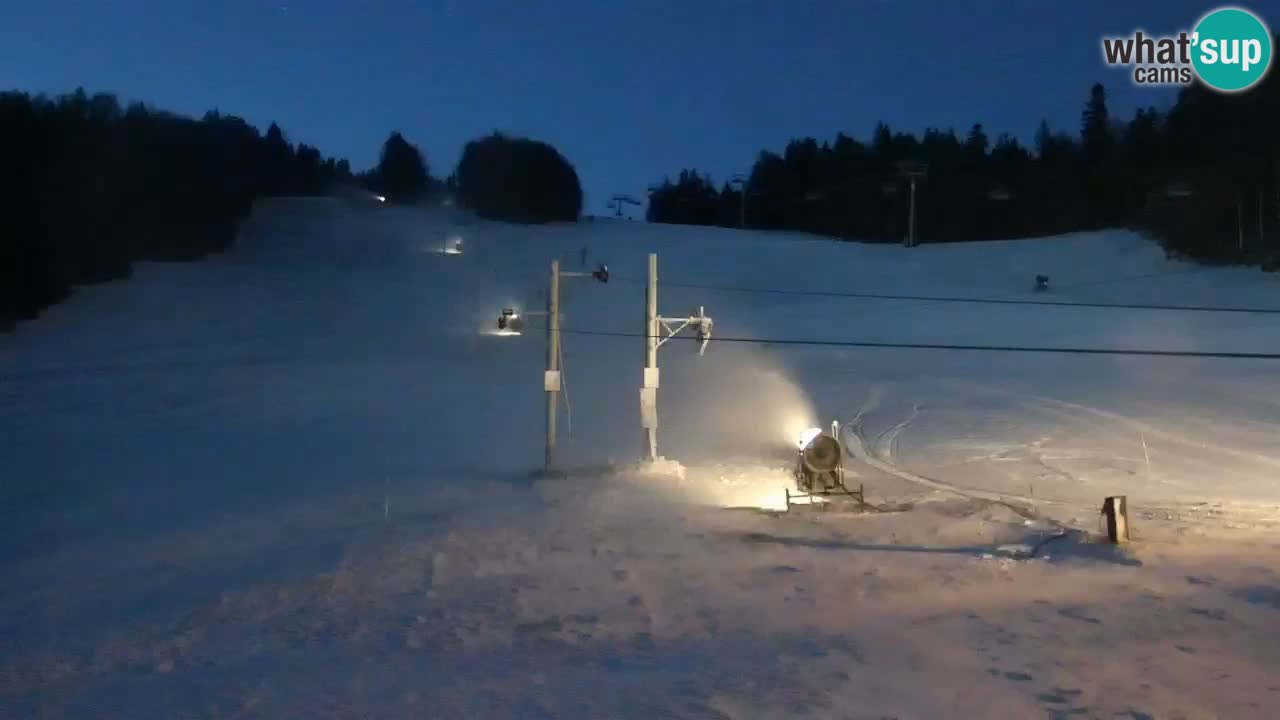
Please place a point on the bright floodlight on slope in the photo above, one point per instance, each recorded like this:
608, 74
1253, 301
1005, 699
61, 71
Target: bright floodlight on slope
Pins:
510, 322
453, 246
380, 198
807, 437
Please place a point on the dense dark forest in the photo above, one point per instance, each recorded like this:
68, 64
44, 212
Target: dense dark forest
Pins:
402, 175
517, 180
89, 188
498, 177
1203, 177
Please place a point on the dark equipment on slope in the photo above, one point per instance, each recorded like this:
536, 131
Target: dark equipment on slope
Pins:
820, 473
618, 201
1042, 283
510, 321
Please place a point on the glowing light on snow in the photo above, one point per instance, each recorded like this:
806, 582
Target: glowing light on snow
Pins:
792, 412
381, 198
807, 436
509, 324
757, 486
772, 498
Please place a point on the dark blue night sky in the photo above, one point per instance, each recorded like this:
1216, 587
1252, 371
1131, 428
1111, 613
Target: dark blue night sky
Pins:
628, 91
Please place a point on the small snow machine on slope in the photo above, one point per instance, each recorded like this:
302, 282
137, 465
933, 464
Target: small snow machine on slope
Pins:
819, 471
1042, 283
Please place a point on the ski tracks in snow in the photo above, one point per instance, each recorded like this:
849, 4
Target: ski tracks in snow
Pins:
1190, 451
1074, 411
881, 451
886, 442
1151, 431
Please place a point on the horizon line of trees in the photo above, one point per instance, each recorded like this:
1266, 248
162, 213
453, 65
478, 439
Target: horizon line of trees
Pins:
1200, 177
499, 177
515, 179
88, 188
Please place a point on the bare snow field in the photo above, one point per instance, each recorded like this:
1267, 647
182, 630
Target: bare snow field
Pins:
294, 481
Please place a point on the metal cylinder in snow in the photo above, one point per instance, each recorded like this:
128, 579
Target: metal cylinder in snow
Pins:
822, 454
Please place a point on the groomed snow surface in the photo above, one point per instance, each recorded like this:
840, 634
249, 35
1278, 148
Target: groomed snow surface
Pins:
294, 482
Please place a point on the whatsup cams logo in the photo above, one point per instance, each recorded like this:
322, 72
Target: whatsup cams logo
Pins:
1229, 50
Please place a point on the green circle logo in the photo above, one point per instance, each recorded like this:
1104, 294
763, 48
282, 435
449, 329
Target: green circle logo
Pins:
1231, 49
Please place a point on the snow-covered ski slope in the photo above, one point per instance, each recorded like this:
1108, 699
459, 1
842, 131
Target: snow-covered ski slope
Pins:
293, 481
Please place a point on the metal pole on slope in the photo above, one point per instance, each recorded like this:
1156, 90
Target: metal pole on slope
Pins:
742, 181
551, 382
913, 171
649, 391
669, 327
911, 220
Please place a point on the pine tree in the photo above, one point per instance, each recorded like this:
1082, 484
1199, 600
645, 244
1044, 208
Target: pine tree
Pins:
1044, 139
402, 174
1095, 126
975, 144
277, 157
518, 180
